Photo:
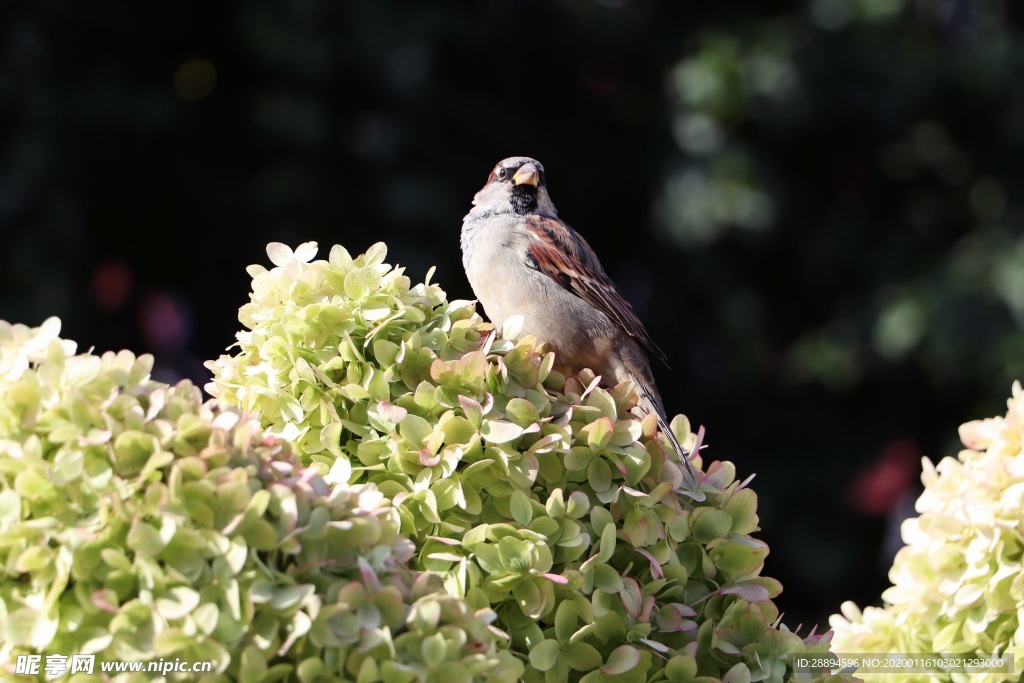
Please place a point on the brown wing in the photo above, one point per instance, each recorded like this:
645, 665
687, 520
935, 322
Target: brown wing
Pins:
562, 254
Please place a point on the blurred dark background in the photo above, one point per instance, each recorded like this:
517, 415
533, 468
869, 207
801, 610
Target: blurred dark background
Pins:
814, 206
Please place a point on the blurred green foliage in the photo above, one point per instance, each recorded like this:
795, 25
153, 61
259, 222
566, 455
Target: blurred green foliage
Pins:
909, 219
811, 203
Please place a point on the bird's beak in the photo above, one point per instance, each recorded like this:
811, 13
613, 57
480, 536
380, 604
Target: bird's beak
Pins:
527, 175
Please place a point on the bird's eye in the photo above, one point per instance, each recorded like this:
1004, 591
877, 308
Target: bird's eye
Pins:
503, 174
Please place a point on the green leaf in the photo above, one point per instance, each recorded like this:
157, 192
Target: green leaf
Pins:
635, 527
578, 505
742, 507
610, 627
599, 475
205, 617
34, 559
546, 527
602, 400
253, 666
385, 351
415, 430
749, 591
738, 559
287, 597
177, 603
10, 506
31, 485
534, 597
581, 656
310, 669
369, 672
680, 426
626, 432
472, 366
681, 668
132, 450
375, 308
566, 618
607, 579
522, 412
360, 282
632, 597
396, 672
434, 649
555, 506
500, 431
458, 430
599, 434
544, 655
142, 537
709, 524
739, 673
339, 258
514, 554
522, 509
171, 641
260, 534
579, 459
472, 410
489, 559
608, 540
623, 659
375, 254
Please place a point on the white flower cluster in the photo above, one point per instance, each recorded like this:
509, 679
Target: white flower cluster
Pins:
21, 345
958, 584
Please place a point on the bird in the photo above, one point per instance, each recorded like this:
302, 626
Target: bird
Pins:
522, 259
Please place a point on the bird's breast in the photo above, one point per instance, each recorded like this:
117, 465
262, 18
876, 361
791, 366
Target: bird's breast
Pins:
496, 262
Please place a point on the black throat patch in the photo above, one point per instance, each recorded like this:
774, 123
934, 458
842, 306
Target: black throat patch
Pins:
524, 199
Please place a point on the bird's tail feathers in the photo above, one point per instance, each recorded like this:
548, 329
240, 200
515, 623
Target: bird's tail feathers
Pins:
651, 403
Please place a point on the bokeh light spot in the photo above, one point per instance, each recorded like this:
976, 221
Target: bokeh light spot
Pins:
831, 15
164, 322
111, 285
931, 141
881, 10
900, 326
988, 199
195, 79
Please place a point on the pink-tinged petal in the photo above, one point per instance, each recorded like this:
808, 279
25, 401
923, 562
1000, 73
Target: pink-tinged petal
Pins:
391, 413
556, 578
100, 599
369, 576
446, 541
632, 597
656, 571
750, 592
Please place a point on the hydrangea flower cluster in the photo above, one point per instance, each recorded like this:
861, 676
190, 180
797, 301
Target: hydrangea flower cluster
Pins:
138, 523
533, 493
958, 584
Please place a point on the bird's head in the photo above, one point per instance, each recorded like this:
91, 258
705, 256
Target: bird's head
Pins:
518, 185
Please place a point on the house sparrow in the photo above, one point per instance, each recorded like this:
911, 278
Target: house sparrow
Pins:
521, 259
